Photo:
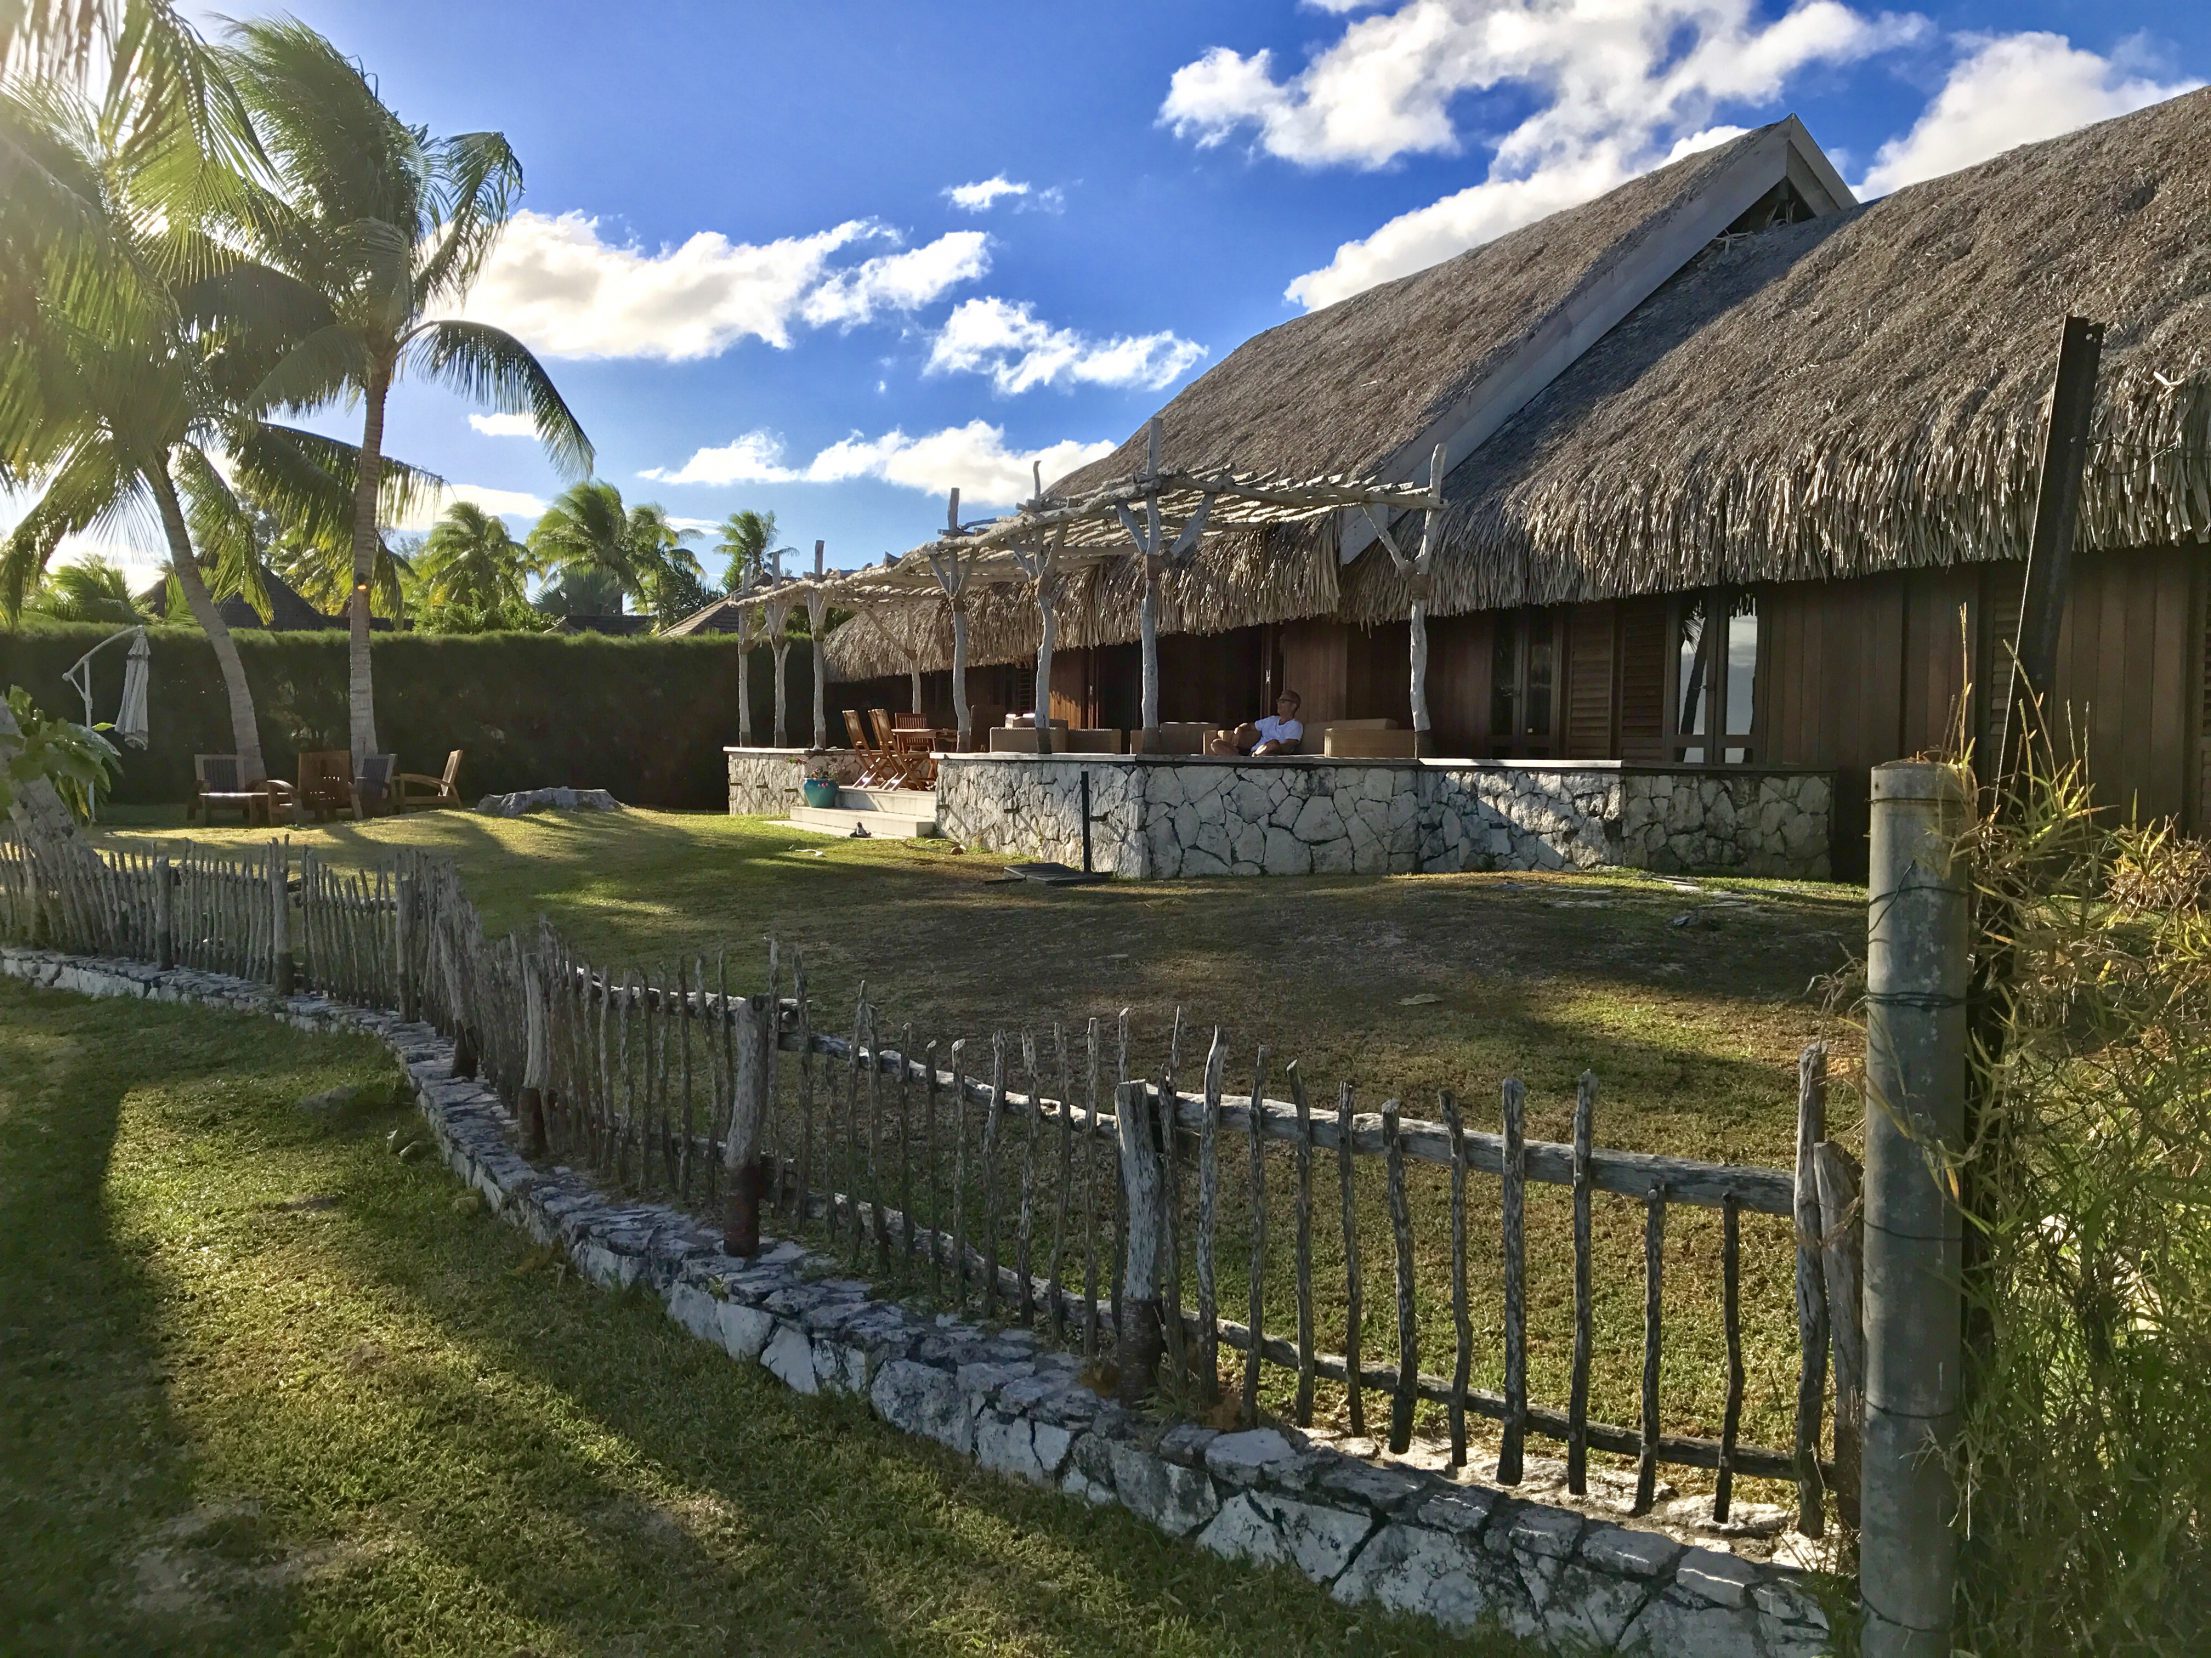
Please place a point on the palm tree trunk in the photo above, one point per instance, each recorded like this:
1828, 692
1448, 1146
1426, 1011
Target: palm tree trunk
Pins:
245, 730
368, 481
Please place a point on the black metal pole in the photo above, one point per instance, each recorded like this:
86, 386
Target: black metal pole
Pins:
1086, 823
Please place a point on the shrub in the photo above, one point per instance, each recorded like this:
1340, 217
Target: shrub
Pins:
2086, 1453
645, 718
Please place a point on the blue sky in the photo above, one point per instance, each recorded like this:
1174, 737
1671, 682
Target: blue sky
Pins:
739, 255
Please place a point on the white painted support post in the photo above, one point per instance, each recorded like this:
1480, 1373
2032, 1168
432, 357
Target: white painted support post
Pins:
1041, 565
1918, 958
817, 609
914, 701
744, 1171
1151, 548
952, 576
1418, 570
744, 663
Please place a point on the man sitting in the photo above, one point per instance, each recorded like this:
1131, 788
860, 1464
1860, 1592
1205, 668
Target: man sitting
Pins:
1277, 733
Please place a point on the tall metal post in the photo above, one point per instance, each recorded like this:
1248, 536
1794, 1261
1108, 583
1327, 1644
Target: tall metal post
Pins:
1918, 960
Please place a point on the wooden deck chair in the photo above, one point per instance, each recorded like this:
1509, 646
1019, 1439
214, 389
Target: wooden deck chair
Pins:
872, 758
417, 792
900, 767
220, 786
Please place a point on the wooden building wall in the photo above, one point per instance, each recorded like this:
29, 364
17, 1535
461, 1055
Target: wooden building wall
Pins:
1849, 674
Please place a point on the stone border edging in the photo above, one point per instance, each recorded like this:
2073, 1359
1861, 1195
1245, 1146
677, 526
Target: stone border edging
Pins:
1412, 1542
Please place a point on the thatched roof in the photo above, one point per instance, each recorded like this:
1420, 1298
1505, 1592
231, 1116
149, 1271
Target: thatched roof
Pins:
1345, 388
1865, 392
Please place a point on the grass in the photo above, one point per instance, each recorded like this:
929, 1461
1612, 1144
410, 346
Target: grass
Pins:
266, 1387
1691, 1007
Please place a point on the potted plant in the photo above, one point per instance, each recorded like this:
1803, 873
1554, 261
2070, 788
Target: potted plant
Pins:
819, 786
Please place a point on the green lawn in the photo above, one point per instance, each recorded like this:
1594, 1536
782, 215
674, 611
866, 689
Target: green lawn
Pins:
1406, 986
266, 1387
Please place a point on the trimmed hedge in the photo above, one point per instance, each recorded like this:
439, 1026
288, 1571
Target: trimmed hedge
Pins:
644, 718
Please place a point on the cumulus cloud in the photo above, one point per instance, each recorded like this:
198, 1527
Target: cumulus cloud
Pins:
2009, 90
1018, 351
1615, 87
983, 193
504, 425
564, 287
903, 281
502, 503
974, 459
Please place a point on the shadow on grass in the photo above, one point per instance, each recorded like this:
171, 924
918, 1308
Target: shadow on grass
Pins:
449, 1445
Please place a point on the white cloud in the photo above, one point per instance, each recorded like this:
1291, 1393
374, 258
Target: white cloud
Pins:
903, 281
1007, 342
502, 503
504, 425
754, 458
2009, 90
973, 458
979, 196
1615, 86
568, 291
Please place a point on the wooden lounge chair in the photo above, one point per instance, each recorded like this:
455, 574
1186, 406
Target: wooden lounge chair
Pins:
418, 792
222, 787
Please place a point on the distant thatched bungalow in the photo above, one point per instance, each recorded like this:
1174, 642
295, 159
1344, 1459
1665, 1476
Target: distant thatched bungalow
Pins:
1741, 473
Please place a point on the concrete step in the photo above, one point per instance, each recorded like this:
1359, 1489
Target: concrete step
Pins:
833, 820
903, 802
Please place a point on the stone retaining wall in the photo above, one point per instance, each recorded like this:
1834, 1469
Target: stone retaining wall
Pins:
763, 782
1186, 817
1463, 1554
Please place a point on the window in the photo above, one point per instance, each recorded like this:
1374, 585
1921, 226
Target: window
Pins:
1523, 674
1715, 677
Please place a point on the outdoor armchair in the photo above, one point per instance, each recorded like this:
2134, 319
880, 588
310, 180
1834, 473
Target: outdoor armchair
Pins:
418, 792
372, 785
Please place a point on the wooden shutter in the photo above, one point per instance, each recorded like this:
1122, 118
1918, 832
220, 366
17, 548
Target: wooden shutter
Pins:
1646, 638
1589, 700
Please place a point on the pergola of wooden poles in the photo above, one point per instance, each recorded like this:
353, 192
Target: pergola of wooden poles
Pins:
1158, 517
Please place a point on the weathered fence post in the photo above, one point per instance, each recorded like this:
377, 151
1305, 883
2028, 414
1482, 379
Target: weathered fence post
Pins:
404, 922
1918, 955
284, 971
1841, 1254
1138, 1335
165, 910
536, 1058
744, 1176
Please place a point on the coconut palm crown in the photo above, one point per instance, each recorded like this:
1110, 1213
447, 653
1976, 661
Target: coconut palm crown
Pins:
374, 229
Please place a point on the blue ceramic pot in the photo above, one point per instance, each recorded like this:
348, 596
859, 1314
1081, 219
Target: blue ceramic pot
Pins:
819, 791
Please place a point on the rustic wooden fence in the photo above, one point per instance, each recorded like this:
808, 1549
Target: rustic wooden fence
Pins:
1041, 1180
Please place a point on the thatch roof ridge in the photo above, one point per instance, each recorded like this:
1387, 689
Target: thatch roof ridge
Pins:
1347, 386
1865, 392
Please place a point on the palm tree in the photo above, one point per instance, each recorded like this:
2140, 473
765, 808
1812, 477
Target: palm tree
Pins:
748, 543
92, 590
373, 227
592, 540
136, 401
471, 562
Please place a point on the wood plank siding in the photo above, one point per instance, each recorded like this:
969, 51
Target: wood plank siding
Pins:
1849, 674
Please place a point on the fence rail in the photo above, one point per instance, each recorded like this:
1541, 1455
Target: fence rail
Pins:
1039, 1181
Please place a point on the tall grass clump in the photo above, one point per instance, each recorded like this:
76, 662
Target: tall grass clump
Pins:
2085, 1458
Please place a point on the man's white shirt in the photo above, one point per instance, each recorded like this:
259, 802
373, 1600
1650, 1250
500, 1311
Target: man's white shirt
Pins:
1272, 730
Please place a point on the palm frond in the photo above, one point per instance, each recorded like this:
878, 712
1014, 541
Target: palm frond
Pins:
494, 368
315, 370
